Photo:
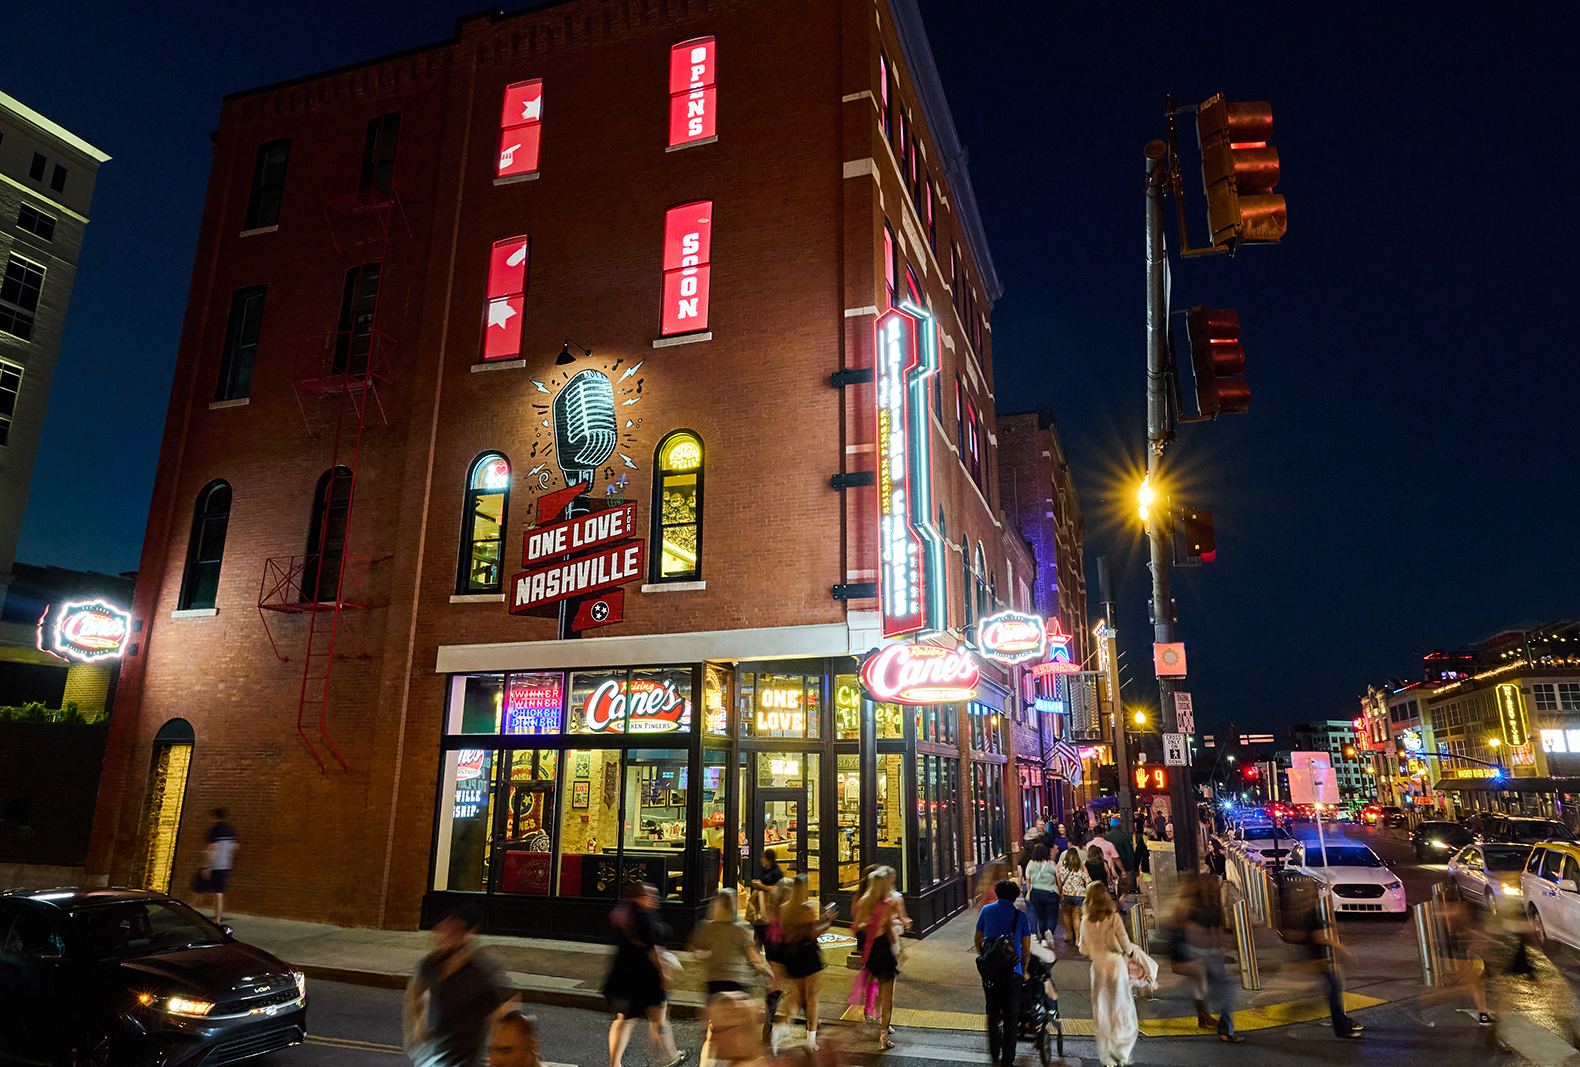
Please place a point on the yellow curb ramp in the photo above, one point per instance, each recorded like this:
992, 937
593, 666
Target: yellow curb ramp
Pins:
1264, 1018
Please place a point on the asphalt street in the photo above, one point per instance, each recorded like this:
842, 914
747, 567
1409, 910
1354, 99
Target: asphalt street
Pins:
351, 1026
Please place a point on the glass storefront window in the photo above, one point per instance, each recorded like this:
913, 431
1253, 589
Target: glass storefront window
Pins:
590, 823
847, 708
714, 831
779, 707
987, 804
465, 814
475, 704
716, 700
987, 729
891, 816
533, 703
655, 820
847, 802
926, 808
652, 701
526, 792
936, 723
890, 722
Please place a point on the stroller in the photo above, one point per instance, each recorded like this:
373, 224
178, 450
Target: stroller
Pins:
1040, 1024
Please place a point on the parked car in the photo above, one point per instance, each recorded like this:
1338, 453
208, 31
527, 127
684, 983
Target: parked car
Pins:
1551, 885
1436, 841
1370, 814
1267, 844
1358, 878
102, 976
1524, 830
1489, 875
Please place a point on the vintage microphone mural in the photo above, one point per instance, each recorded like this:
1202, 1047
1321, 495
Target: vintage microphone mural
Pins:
585, 429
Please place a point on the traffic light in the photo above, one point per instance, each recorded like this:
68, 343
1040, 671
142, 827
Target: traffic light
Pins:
1251, 774
1239, 170
1193, 531
1218, 360
1349, 751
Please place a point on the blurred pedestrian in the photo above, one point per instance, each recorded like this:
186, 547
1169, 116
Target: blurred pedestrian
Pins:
1003, 943
636, 982
1125, 854
1205, 932
1105, 943
1311, 927
1073, 881
880, 913
992, 874
514, 1041
803, 959
736, 1022
1042, 891
213, 876
1182, 961
762, 885
453, 997
728, 953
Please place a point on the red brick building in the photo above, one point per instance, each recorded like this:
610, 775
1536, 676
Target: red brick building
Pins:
627, 249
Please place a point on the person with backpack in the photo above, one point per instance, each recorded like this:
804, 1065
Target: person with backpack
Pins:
1003, 944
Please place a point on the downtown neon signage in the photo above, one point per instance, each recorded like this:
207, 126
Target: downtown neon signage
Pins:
89, 631
910, 550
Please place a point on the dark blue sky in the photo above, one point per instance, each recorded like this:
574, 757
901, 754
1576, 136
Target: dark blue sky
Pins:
1402, 481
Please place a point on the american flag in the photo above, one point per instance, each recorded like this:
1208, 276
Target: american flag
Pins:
1069, 762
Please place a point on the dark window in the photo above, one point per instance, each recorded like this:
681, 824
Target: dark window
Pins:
206, 547
912, 286
326, 537
677, 508
36, 171
268, 185
378, 155
359, 302
57, 181
483, 524
899, 133
35, 222
241, 342
19, 293
10, 386
931, 204
891, 264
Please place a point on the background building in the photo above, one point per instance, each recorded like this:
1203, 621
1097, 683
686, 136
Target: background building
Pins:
512, 300
1340, 739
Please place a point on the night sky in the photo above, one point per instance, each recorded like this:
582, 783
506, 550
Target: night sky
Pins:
1403, 480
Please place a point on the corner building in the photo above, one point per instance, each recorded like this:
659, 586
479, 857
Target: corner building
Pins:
515, 530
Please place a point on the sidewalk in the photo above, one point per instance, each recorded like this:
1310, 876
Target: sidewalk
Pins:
938, 986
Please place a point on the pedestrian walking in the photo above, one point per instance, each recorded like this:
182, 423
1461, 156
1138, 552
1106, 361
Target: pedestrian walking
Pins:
1073, 881
1099, 867
1003, 943
988, 880
1061, 841
454, 996
635, 985
1104, 941
514, 1041
1315, 931
1124, 855
213, 876
1042, 892
880, 913
803, 959
1206, 938
736, 1021
729, 956
758, 911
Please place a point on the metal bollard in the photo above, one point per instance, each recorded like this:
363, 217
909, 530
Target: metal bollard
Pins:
1138, 924
1424, 943
1245, 943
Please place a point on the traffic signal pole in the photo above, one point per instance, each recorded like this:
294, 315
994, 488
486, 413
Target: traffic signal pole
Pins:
1160, 430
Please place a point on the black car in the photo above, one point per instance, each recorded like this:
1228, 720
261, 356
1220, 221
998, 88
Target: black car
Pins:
1524, 831
1436, 841
109, 976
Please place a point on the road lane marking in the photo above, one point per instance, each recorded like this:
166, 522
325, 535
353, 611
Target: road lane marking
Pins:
352, 1045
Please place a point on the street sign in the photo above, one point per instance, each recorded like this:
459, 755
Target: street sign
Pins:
1184, 714
1312, 779
1175, 753
1169, 659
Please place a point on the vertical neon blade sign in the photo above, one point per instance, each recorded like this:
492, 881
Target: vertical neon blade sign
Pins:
507, 287
910, 552
693, 97
520, 126
688, 246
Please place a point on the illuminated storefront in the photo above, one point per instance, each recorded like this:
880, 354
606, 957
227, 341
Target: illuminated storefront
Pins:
558, 787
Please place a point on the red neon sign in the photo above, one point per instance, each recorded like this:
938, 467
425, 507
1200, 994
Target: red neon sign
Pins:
86, 631
920, 674
688, 248
520, 124
507, 300
650, 708
693, 98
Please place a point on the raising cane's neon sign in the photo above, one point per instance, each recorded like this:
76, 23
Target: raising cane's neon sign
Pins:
910, 551
85, 631
649, 708
920, 674
1012, 637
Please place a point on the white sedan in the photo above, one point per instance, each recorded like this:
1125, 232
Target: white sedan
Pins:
1265, 844
1355, 875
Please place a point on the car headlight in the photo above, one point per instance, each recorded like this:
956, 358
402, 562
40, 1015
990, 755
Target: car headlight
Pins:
1511, 890
1395, 884
183, 1006
301, 983
1436, 844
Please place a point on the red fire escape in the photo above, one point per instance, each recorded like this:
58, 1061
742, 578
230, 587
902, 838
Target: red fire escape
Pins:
336, 380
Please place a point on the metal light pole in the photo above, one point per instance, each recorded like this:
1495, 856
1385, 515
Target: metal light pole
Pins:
1105, 585
1160, 430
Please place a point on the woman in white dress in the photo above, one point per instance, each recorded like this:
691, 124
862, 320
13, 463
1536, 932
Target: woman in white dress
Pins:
1104, 941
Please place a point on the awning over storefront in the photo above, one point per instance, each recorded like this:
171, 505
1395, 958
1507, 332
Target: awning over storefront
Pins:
1508, 785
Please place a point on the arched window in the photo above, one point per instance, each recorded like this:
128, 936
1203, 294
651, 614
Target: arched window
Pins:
967, 587
979, 572
206, 547
483, 524
326, 537
677, 508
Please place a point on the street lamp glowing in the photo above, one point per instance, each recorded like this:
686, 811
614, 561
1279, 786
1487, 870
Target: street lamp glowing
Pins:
1144, 497
1141, 718
1494, 742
